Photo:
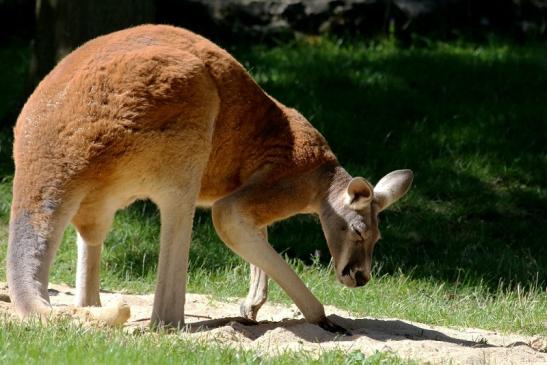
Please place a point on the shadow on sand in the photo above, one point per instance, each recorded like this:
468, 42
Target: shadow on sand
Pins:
377, 329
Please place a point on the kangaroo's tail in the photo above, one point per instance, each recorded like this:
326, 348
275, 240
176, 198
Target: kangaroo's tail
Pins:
37, 222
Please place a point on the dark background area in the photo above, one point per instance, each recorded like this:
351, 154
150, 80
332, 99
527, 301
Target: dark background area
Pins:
57, 26
40, 32
454, 89
52, 28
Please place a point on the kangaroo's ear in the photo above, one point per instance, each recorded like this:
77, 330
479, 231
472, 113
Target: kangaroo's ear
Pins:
358, 193
392, 187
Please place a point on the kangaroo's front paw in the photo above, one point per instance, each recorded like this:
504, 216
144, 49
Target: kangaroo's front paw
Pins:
248, 311
330, 326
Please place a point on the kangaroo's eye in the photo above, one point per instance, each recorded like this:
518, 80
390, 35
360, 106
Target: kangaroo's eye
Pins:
359, 229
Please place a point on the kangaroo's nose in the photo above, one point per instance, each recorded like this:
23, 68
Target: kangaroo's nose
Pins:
361, 278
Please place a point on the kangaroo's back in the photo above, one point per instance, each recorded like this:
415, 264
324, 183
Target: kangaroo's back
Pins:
92, 108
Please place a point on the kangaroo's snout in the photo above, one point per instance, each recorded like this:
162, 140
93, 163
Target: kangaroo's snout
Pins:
353, 277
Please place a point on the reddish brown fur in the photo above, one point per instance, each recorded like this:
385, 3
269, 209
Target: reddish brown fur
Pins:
118, 86
157, 111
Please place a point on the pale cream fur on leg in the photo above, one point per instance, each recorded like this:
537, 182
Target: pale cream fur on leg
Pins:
87, 273
258, 290
92, 221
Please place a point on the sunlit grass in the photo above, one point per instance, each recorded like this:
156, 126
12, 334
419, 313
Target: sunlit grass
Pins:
65, 343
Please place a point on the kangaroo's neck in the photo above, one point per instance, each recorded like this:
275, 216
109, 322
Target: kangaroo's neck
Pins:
331, 181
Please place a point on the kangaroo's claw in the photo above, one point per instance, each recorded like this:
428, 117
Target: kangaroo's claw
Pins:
332, 327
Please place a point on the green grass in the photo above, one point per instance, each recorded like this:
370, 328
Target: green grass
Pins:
467, 246
131, 252
69, 344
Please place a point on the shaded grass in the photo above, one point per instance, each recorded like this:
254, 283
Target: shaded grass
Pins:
470, 121
465, 248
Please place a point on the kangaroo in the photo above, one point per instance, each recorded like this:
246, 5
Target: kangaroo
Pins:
159, 112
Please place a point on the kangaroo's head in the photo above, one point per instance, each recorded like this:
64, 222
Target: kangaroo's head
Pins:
349, 216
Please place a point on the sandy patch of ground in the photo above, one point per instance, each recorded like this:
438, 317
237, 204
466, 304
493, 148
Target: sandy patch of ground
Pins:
281, 328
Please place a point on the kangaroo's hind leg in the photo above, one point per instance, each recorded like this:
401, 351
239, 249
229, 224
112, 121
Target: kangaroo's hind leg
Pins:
258, 290
177, 212
92, 222
176, 199
176, 196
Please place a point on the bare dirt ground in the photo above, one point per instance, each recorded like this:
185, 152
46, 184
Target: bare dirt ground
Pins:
282, 328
